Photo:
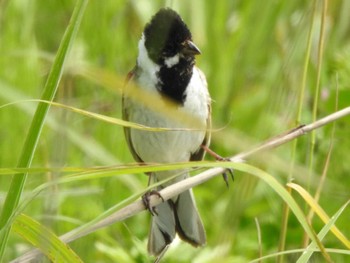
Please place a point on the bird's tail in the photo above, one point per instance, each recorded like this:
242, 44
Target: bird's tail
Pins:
178, 215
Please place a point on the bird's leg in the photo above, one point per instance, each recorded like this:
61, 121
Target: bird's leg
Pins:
221, 159
146, 199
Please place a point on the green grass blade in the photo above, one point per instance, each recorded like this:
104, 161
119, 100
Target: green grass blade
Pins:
34, 132
298, 251
305, 257
287, 197
90, 147
243, 167
41, 237
301, 96
317, 209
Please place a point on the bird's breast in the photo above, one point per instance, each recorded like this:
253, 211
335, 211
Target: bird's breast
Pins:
175, 145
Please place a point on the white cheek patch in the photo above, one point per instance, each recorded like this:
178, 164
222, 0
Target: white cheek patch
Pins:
169, 62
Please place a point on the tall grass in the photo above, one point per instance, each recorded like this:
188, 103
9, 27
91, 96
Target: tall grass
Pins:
253, 54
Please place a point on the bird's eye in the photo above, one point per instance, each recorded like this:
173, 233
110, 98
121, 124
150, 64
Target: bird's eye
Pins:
166, 54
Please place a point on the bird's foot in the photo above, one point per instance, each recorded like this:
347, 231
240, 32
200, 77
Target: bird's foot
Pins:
146, 201
220, 159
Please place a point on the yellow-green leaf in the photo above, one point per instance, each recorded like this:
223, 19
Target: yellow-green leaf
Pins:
44, 239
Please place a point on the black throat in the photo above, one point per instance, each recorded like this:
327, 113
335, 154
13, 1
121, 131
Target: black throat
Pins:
174, 80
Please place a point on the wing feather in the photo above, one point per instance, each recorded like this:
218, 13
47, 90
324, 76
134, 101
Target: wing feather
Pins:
125, 116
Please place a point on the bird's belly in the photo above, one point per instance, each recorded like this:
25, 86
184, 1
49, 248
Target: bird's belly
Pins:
162, 146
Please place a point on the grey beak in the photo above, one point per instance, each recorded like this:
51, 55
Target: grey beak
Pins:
189, 48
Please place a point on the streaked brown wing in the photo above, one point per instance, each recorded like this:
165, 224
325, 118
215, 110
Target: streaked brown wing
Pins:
125, 116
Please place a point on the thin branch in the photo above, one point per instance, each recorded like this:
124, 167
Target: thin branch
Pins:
177, 188
291, 135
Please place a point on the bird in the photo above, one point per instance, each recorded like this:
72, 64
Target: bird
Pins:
165, 67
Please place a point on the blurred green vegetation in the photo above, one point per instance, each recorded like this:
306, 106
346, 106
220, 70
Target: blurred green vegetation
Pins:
253, 56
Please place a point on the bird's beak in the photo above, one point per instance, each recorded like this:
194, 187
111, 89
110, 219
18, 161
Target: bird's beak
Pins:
189, 48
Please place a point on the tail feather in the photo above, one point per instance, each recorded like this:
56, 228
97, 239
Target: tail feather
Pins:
180, 216
162, 230
189, 225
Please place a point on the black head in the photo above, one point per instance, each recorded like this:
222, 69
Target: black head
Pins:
167, 35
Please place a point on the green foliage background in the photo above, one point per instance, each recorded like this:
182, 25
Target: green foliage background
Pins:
253, 55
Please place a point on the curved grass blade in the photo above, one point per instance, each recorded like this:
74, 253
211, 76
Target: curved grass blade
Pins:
45, 240
51, 85
320, 212
297, 251
305, 257
179, 187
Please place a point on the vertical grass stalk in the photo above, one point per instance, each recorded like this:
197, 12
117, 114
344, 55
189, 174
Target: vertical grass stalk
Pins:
30, 145
285, 216
316, 97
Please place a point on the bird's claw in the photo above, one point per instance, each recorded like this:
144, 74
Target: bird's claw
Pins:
220, 159
224, 175
146, 201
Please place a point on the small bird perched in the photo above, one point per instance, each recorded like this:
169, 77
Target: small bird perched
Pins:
166, 68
